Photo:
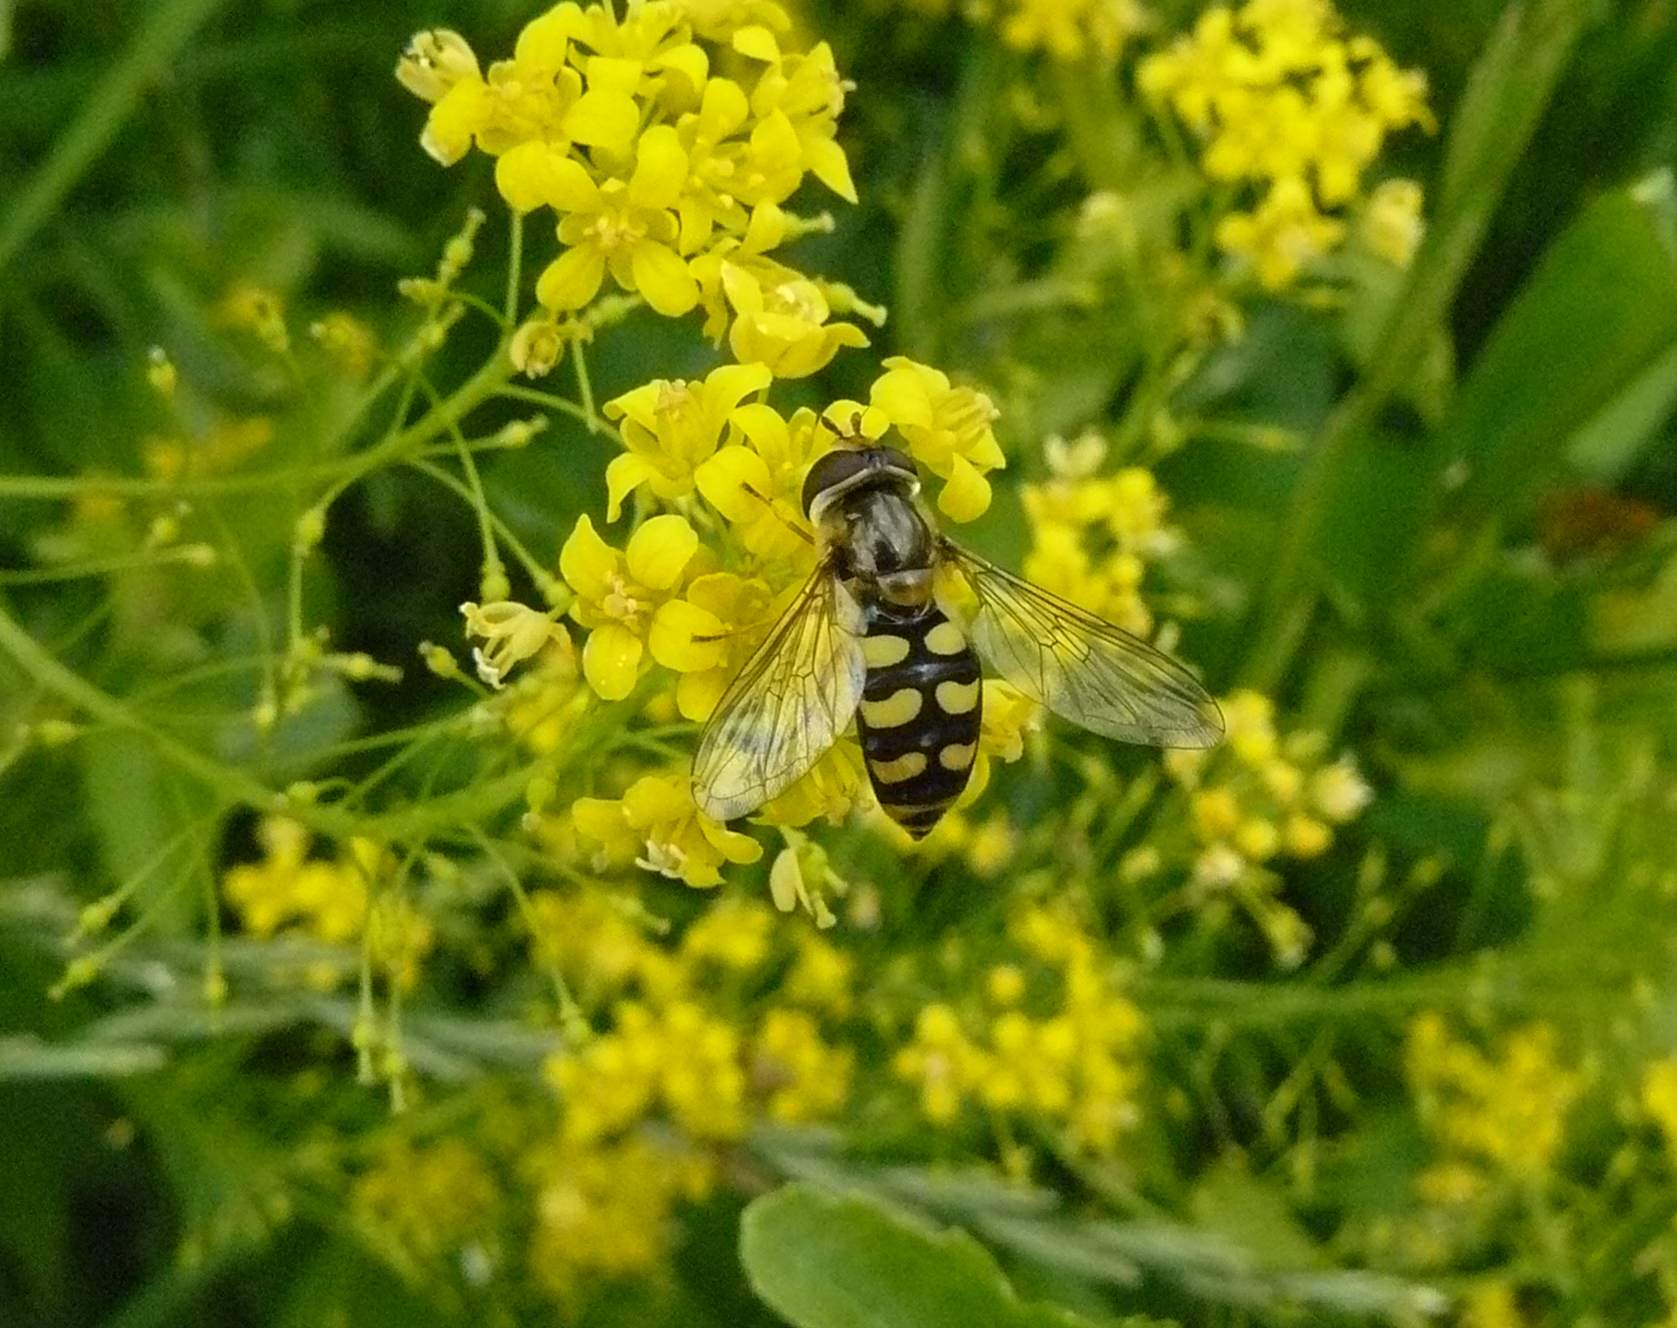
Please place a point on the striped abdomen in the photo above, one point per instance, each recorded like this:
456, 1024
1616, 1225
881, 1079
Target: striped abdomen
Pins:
920, 713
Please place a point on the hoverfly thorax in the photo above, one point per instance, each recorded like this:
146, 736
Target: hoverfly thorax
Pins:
862, 500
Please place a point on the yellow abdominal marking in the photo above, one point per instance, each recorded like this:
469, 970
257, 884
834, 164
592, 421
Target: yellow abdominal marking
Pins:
956, 698
895, 710
945, 639
957, 756
882, 651
904, 767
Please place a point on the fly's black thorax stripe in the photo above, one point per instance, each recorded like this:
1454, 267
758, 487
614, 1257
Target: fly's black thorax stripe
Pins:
920, 712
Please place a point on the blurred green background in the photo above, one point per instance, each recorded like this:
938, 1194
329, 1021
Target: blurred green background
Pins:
1486, 611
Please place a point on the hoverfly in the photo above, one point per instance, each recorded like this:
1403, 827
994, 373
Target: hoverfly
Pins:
866, 638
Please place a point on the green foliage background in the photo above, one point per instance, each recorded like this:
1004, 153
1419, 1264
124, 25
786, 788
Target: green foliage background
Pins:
1389, 581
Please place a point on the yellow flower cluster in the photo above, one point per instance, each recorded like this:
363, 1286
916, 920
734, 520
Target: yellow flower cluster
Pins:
672, 1051
1500, 1117
1260, 798
331, 901
1092, 535
605, 1210
1070, 29
1290, 105
1053, 1042
663, 598
431, 1202
657, 826
1063, 29
683, 1047
662, 173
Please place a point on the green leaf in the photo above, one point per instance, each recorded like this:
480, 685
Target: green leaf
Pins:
1583, 362
824, 1260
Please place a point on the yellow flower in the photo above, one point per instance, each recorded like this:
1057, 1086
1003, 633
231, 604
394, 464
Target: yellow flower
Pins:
732, 934
671, 428
784, 326
433, 1201
1249, 718
1071, 29
604, 1210
619, 592
623, 228
1282, 236
1507, 1112
759, 488
1492, 1305
720, 20
1391, 223
803, 1077
797, 102
834, 787
821, 976
706, 635
947, 430
434, 62
1659, 1099
512, 633
657, 826
1339, 792
529, 99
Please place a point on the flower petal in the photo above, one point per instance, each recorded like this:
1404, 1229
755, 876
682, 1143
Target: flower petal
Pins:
611, 661
966, 495
660, 169
724, 479
660, 550
587, 562
677, 639
603, 119
828, 164
624, 475
904, 393
697, 694
662, 277
726, 387
572, 279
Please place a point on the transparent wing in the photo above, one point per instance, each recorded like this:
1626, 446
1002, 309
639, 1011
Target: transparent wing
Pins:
791, 700
1082, 668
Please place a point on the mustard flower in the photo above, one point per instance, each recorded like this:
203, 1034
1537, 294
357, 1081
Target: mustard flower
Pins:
1282, 236
1506, 1112
707, 634
1391, 224
656, 826
512, 633
784, 326
606, 1209
1072, 29
522, 100
803, 1077
733, 934
947, 430
606, 229
833, 788
759, 487
619, 592
797, 102
672, 427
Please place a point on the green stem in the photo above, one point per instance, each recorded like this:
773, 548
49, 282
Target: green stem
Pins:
515, 268
149, 57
